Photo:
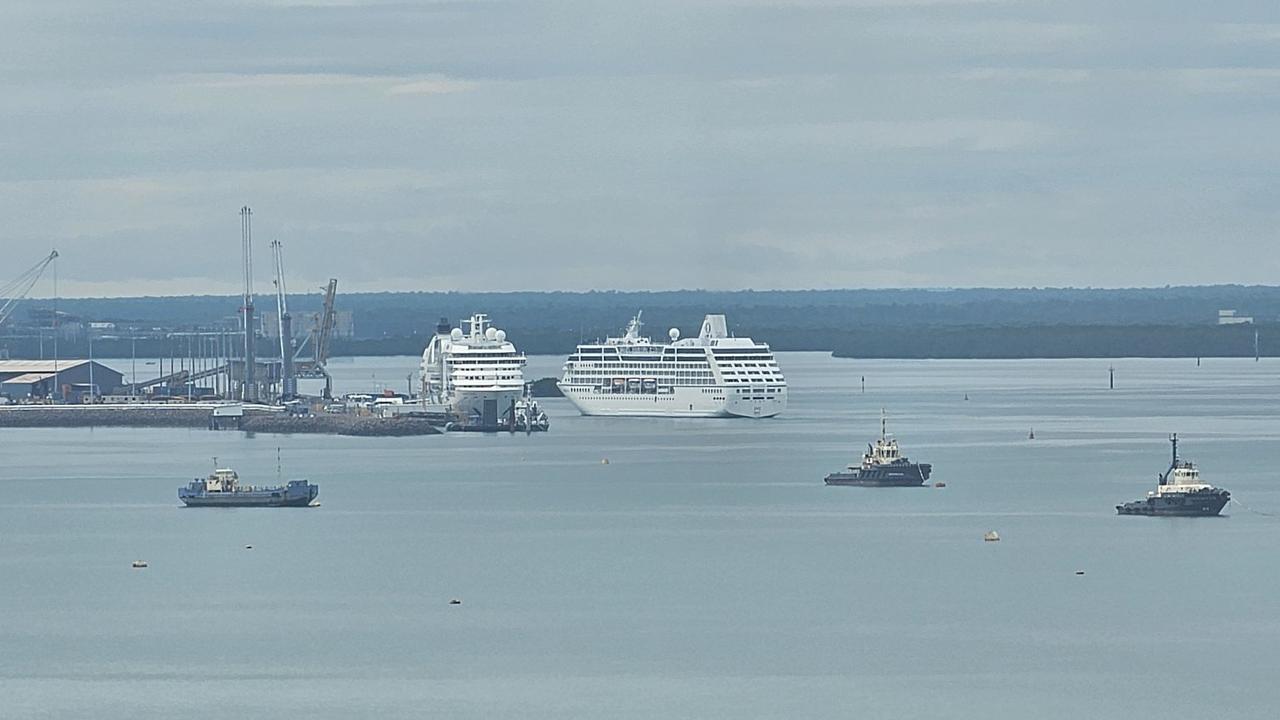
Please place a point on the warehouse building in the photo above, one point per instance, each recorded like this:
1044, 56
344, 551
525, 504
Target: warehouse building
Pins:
72, 379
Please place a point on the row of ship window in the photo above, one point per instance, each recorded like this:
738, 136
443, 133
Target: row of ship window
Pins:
668, 361
697, 362
611, 383
663, 370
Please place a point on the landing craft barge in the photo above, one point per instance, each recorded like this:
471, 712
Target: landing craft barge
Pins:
1179, 493
883, 465
223, 489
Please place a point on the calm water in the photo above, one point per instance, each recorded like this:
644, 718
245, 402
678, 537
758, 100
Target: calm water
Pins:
704, 572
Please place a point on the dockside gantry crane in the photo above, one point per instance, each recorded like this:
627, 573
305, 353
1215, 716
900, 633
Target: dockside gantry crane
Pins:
248, 384
288, 382
321, 334
15, 291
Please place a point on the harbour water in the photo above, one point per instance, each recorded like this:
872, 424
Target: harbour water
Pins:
705, 571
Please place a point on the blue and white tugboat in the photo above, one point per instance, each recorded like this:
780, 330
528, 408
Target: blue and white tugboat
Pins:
1179, 492
222, 488
883, 466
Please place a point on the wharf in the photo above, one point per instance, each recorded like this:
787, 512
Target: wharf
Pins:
256, 418
338, 425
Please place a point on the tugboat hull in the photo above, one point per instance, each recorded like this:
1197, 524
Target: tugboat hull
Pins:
896, 475
1206, 503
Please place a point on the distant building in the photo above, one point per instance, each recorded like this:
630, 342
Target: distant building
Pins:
271, 325
30, 379
344, 325
47, 322
1229, 317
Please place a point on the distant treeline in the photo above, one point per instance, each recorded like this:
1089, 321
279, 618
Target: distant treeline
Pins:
1060, 341
871, 341
862, 341
975, 323
591, 314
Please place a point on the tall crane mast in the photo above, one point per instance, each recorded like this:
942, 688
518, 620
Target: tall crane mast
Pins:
328, 318
15, 291
318, 338
288, 382
248, 388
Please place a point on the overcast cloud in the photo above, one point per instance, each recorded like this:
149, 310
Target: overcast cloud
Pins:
642, 145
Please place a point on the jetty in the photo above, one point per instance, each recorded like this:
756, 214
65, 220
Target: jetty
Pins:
210, 416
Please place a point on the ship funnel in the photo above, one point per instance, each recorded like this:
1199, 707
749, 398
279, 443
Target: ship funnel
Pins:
714, 327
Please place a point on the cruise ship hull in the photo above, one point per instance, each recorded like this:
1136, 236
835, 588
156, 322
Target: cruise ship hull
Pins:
704, 402
484, 408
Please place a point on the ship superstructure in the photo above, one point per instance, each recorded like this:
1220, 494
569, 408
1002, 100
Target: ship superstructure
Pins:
478, 375
1179, 491
711, 375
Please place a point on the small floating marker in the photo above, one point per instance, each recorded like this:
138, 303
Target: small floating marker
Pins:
604, 461
939, 484
139, 563
1079, 572
991, 536
455, 601
1031, 435
248, 547
966, 396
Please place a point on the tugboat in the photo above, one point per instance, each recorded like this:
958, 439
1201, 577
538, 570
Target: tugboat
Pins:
883, 466
222, 488
1179, 492
527, 417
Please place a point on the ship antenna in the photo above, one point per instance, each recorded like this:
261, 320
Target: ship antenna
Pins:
215, 462
882, 422
278, 474
1173, 439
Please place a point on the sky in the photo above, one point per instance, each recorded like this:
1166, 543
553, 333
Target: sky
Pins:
721, 144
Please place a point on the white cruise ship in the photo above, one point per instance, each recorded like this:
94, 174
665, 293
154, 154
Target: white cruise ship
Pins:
478, 375
712, 375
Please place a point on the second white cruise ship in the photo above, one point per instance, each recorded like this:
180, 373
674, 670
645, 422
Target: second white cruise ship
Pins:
477, 375
712, 375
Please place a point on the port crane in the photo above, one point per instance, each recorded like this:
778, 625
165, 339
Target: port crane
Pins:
288, 383
15, 291
321, 333
248, 385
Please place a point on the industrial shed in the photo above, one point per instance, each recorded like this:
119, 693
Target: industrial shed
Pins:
21, 379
